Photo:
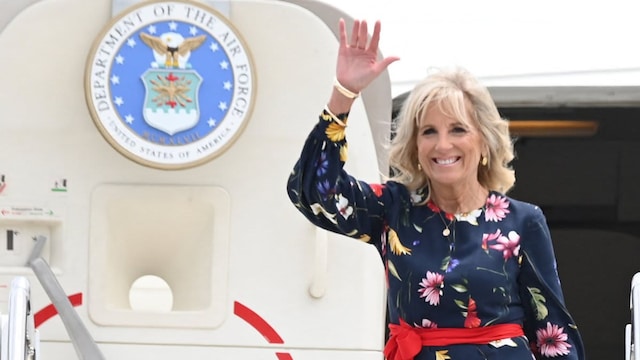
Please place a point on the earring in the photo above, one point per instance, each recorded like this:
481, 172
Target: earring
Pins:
419, 166
484, 160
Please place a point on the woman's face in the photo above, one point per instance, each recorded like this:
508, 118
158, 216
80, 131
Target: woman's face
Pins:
448, 150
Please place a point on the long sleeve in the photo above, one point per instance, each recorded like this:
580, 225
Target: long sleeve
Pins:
330, 198
548, 324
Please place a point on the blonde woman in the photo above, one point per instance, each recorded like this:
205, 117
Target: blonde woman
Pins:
471, 271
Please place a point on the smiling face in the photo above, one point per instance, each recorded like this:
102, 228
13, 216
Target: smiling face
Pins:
449, 148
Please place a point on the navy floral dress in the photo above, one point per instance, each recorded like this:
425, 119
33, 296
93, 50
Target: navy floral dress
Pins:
494, 265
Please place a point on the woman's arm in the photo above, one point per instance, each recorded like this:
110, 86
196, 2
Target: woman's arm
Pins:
549, 326
327, 195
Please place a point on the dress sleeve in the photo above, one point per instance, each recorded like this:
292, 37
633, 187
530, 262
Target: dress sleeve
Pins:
548, 324
325, 194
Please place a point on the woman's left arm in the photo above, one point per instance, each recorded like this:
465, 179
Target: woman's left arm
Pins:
549, 326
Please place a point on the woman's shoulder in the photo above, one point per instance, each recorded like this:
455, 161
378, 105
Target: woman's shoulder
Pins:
396, 192
516, 207
414, 197
393, 189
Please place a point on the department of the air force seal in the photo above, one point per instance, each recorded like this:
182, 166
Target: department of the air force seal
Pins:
170, 84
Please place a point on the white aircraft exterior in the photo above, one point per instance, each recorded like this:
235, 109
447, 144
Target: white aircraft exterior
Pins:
136, 243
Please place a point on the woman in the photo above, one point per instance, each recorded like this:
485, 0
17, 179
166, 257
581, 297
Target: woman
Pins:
471, 272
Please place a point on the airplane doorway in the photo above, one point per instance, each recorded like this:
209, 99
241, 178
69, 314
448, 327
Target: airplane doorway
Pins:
589, 189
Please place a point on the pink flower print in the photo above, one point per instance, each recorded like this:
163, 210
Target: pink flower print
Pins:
496, 208
431, 288
509, 246
427, 324
552, 341
489, 237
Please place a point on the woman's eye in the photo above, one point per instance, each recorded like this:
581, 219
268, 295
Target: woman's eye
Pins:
428, 131
459, 130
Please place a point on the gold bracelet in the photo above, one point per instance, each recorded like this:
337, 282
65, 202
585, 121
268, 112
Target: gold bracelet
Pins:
343, 90
334, 117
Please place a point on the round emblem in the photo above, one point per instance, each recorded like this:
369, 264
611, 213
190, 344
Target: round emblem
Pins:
170, 85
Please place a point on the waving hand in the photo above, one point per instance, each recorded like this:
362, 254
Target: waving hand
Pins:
358, 64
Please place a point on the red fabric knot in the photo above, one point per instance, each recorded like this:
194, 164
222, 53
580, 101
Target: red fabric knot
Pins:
404, 344
407, 341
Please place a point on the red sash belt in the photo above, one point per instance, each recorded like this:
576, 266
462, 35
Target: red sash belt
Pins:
406, 341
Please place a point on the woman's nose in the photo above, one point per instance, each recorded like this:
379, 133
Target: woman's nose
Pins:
443, 142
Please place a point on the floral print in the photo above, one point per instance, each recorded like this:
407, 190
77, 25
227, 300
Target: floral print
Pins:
489, 237
471, 315
431, 288
396, 246
343, 206
494, 266
510, 246
471, 217
433, 207
335, 132
442, 355
496, 208
377, 189
552, 341
427, 324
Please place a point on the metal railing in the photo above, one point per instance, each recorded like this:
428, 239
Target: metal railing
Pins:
19, 338
86, 348
632, 333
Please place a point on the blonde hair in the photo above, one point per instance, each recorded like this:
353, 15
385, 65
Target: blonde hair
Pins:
455, 89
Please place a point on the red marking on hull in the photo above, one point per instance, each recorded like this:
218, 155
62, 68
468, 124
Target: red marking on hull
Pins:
50, 311
257, 322
284, 356
262, 326
240, 310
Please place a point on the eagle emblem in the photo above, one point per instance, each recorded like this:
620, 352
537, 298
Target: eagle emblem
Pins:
171, 49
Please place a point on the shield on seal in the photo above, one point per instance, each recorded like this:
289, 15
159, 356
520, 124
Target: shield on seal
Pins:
171, 99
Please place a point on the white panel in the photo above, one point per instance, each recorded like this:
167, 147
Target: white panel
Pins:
177, 233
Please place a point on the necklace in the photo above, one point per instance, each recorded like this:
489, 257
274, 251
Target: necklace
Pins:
446, 231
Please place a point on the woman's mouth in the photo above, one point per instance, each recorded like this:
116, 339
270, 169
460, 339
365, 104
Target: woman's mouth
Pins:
447, 161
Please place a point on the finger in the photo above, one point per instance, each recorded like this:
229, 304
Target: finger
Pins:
343, 33
363, 35
384, 63
375, 37
354, 33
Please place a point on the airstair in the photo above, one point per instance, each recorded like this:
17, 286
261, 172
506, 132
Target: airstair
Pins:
19, 339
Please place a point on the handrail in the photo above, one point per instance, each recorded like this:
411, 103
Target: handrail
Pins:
632, 332
20, 329
86, 348
627, 342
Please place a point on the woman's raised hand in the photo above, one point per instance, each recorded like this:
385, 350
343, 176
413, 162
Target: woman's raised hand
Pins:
358, 63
